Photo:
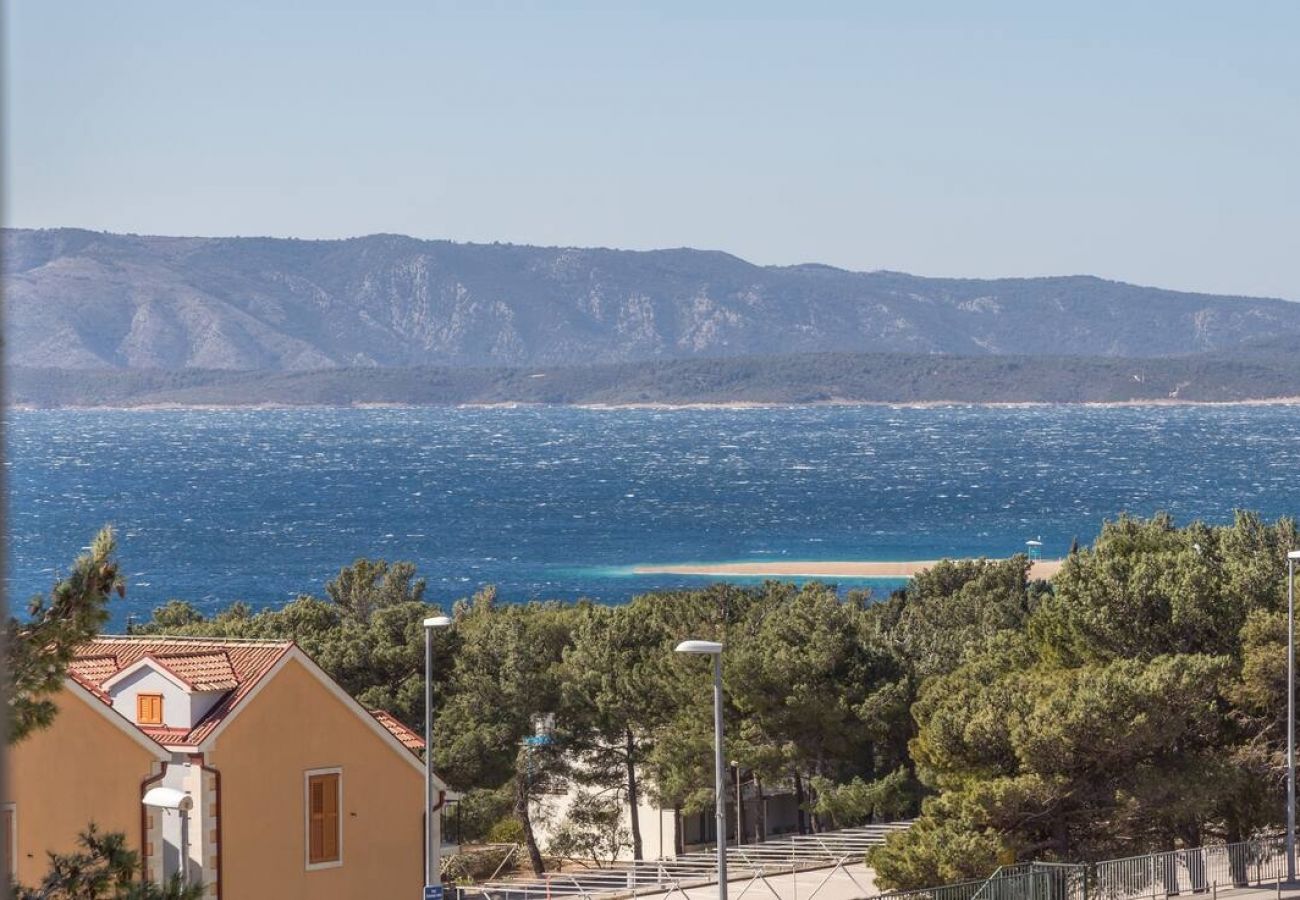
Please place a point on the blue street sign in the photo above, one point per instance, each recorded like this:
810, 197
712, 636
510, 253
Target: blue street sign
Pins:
433, 892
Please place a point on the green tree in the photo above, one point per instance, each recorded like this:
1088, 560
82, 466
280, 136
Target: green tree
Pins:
370, 585
498, 725
592, 829
955, 608
104, 869
613, 691
367, 633
680, 761
39, 648
803, 672
1134, 708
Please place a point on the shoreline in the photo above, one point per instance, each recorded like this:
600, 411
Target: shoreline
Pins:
1039, 569
665, 407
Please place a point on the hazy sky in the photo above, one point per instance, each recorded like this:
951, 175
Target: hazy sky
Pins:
1155, 142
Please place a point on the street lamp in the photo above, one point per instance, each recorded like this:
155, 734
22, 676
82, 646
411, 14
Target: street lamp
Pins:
740, 831
714, 649
432, 861
1291, 557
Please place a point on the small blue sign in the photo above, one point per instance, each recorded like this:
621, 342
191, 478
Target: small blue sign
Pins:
433, 892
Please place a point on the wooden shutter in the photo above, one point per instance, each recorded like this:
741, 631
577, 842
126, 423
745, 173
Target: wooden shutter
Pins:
148, 709
323, 818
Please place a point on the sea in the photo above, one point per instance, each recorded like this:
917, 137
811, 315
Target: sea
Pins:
261, 505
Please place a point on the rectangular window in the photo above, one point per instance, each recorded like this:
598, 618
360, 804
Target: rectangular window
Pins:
324, 825
9, 841
148, 709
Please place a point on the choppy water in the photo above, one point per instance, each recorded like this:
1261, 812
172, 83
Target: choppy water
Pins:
213, 506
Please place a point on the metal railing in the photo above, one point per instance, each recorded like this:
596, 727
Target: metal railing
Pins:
1022, 882
1194, 871
1152, 876
753, 862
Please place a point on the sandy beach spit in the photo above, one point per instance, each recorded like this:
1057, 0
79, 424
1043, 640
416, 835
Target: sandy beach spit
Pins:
1045, 568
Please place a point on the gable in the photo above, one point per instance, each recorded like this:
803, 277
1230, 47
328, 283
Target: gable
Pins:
88, 728
89, 758
298, 698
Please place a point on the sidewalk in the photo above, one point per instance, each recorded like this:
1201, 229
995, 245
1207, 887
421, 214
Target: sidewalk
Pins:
1257, 893
848, 882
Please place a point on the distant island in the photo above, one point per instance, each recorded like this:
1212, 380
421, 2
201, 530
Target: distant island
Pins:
96, 319
1267, 370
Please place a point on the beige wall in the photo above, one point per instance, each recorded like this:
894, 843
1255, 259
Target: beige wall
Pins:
81, 767
294, 724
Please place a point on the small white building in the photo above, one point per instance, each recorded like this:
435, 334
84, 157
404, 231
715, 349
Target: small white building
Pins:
666, 833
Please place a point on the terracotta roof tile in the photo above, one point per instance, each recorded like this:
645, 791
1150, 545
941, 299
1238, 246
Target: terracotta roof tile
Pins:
201, 671
195, 660
93, 670
410, 740
167, 736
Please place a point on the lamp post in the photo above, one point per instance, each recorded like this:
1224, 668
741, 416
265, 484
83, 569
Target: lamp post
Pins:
740, 831
1291, 557
432, 860
714, 649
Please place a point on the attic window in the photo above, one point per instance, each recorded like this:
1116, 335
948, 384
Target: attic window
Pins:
148, 709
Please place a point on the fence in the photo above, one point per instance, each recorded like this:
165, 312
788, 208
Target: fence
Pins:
1153, 876
1193, 871
752, 862
1026, 881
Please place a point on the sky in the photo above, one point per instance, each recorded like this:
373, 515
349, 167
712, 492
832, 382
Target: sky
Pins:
1154, 142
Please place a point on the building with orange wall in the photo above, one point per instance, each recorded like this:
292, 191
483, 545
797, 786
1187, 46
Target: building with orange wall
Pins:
238, 763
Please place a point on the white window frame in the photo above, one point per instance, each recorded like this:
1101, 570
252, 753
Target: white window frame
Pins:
12, 808
306, 818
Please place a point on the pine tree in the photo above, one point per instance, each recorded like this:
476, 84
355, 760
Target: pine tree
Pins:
104, 869
40, 647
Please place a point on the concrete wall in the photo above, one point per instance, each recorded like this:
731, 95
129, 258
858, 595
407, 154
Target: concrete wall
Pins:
82, 767
658, 827
293, 725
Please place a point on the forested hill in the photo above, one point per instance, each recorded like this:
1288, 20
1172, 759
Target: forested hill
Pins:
89, 300
1262, 371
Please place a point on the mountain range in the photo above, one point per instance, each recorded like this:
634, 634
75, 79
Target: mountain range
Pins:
79, 299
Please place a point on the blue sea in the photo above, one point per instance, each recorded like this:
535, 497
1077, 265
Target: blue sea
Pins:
262, 505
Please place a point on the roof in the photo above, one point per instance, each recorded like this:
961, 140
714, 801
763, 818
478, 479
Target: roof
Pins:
92, 671
202, 663
410, 740
205, 671
252, 664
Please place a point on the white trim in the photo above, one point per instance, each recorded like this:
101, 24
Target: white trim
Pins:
343, 696
157, 750
12, 808
144, 662
306, 818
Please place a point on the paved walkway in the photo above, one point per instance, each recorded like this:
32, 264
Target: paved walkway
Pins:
846, 883
1258, 893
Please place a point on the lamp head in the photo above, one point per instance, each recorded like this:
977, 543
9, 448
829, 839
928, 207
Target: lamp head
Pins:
711, 647
437, 622
1294, 554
